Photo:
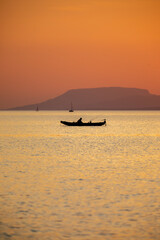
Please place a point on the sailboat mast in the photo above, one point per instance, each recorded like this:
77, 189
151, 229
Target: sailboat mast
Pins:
71, 109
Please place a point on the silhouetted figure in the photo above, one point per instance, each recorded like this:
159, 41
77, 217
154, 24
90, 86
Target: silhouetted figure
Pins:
79, 120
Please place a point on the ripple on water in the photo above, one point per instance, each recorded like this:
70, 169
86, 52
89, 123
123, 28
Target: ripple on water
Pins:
76, 183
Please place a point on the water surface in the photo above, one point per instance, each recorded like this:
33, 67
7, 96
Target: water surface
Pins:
60, 182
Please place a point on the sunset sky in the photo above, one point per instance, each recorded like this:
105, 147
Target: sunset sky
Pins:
50, 46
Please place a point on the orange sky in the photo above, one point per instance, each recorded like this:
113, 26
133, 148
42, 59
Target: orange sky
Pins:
50, 46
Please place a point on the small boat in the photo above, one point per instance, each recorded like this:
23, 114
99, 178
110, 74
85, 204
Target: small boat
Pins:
71, 109
80, 124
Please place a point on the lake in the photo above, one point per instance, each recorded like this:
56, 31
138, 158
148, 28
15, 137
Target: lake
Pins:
90, 183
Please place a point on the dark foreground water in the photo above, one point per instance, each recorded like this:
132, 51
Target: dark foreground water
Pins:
59, 182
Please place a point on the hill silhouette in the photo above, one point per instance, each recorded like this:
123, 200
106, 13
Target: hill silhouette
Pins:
107, 98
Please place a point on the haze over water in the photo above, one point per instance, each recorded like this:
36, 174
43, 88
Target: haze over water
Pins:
60, 182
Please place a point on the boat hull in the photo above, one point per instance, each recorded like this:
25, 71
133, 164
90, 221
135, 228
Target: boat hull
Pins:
83, 124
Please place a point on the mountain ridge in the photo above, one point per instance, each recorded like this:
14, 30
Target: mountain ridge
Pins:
104, 98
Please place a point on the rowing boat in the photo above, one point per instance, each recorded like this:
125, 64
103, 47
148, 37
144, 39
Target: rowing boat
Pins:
80, 124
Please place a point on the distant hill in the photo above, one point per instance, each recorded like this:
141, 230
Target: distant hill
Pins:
111, 98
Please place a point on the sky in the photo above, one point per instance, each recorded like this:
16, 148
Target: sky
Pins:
50, 46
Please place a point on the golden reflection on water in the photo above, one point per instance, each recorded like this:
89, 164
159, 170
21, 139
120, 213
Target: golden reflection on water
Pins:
90, 183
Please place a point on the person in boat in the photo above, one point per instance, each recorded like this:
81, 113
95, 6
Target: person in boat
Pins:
79, 120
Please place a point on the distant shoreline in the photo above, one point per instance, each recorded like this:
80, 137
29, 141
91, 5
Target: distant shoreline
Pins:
98, 99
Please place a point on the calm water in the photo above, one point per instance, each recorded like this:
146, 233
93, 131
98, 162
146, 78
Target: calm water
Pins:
59, 182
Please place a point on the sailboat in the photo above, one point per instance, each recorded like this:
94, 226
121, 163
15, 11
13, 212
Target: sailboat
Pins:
71, 109
37, 109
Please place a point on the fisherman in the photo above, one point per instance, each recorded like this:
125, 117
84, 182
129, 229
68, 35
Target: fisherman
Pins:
79, 120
